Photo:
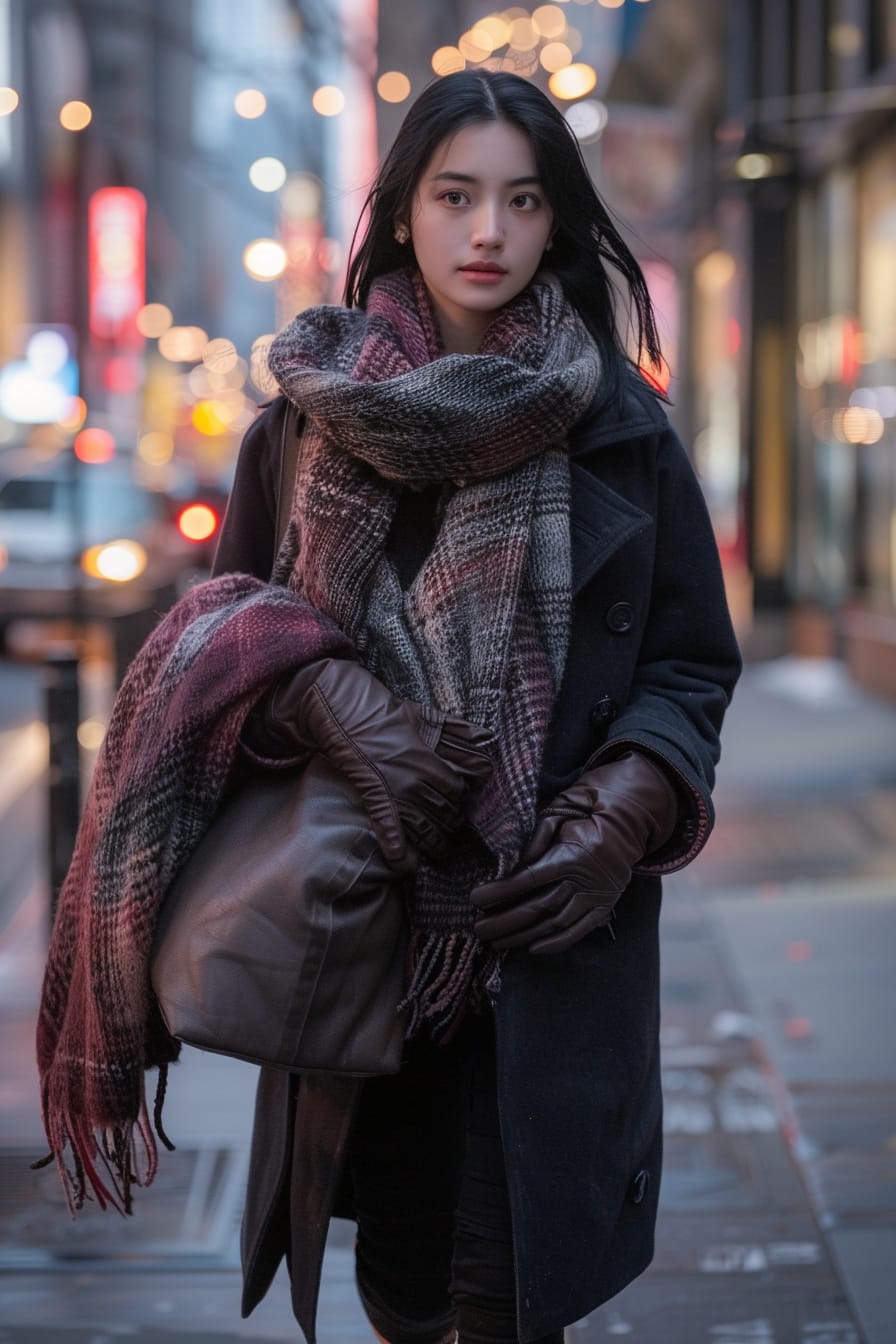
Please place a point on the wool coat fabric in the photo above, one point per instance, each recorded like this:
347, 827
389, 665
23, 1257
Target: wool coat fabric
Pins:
652, 663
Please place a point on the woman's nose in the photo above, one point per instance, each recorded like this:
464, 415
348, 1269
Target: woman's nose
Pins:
488, 227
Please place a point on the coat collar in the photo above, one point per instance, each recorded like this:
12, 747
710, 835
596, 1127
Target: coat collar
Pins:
602, 520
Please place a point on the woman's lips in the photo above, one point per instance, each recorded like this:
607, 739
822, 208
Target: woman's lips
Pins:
482, 277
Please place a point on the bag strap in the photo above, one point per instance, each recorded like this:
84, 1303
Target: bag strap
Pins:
289, 461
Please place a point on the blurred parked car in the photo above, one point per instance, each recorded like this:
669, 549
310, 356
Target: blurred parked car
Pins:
88, 538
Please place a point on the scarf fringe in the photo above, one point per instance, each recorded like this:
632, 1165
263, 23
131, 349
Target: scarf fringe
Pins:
449, 973
105, 1164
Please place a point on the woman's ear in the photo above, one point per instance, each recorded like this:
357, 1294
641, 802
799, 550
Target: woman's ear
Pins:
402, 233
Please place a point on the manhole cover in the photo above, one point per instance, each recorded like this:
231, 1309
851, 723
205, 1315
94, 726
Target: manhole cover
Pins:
190, 1214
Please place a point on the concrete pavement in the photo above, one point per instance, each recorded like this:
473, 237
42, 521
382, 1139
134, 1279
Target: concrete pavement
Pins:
778, 1211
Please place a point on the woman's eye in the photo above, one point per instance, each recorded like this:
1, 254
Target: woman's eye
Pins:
526, 201
453, 197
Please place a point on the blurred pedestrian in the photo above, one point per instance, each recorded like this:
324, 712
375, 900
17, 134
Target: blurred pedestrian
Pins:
491, 519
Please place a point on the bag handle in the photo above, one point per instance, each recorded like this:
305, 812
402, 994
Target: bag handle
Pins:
289, 461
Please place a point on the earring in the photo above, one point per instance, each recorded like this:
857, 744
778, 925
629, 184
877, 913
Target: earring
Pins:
548, 245
401, 234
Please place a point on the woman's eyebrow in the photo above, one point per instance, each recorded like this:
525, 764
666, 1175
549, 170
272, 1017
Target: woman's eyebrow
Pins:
466, 177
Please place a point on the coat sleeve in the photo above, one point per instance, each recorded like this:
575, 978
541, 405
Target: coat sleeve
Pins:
246, 543
688, 662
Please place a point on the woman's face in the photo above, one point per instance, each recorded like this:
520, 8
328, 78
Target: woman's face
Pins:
479, 225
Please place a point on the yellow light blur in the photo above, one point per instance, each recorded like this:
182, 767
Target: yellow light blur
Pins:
481, 36
470, 49
753, 166
393, 86
497, 30
714, 272
267, 174
328, 101
858, 424
183, 345
250, 103
220, 355
554, 56
207, 418
75, 415
153, 319
523, 35
117, 561
513, 13
265, 259
549, 21
9, 100
609, 4
75, 115
91, 733
447, 60
573, 81
155, 448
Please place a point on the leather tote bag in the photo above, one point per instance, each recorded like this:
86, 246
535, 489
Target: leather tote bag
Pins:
282, 940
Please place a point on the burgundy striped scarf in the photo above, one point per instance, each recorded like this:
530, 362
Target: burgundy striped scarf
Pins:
160, 774
483, 629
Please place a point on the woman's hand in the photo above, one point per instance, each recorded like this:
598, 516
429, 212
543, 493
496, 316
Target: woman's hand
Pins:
580, 857
412, 767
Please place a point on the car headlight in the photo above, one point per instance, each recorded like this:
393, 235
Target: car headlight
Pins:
117, 561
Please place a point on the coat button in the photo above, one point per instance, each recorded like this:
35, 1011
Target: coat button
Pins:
602, 713
621, 617
639, 1186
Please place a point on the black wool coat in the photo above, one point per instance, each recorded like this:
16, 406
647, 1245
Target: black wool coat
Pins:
652, 663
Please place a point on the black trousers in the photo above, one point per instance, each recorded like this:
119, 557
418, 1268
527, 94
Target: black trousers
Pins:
434, 1250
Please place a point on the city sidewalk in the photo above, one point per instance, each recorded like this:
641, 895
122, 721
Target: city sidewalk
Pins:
778, 1211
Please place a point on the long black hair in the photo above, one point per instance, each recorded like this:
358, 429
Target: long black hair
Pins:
585, 241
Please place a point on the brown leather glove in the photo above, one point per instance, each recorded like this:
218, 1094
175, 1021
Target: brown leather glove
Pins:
411, 766
580, 857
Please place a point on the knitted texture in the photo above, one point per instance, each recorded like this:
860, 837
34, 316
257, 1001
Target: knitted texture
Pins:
171, 743
483, 629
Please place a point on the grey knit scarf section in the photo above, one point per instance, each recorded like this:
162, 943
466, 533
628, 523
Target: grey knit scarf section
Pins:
483, 629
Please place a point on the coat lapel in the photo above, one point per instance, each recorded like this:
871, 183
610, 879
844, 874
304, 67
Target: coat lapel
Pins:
600, 522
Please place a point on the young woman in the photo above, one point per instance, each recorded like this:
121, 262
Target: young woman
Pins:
491, 504
493, 520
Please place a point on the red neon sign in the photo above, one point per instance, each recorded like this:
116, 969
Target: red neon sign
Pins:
116, 226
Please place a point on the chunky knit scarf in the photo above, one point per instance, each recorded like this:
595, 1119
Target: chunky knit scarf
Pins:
167, 755
483, 629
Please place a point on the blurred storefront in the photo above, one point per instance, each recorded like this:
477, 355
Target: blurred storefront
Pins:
789, 377
175, 182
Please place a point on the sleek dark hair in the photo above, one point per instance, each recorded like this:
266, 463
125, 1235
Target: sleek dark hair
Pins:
585, 241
